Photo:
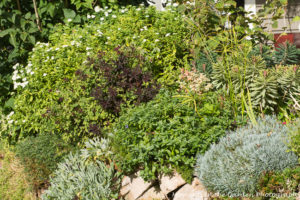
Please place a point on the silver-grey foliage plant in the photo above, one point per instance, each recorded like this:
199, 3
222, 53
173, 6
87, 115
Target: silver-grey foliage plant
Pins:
234, 165
79, 177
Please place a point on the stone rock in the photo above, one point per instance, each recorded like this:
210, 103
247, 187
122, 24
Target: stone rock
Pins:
171, 183
194, 191
298, 198
125, 186
134, 186
153, 193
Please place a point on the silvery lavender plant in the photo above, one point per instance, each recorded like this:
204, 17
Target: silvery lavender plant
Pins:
234, 165
81, 177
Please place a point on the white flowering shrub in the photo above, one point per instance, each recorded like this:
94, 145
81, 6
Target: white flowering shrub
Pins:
235, 164
81, 178
48, 98
161, 36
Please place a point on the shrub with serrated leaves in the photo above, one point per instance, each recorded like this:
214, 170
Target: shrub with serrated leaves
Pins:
235, 164
82, 177
164, 134
39, 156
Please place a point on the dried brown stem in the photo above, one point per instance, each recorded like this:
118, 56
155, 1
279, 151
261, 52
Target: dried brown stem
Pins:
19, 5
38, 22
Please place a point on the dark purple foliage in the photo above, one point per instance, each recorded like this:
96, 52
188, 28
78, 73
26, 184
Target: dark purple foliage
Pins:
122, 80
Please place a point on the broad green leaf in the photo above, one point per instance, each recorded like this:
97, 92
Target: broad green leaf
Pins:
32, 39
13, 39
28, 15
6, 32
69, 14
23, 36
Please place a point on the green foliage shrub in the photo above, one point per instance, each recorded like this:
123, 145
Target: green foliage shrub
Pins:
40, 156
161, 36
81, 177
13, 178
48, 97
235, 164
164, 134
284, 182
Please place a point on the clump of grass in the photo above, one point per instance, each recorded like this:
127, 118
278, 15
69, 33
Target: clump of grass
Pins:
13, 182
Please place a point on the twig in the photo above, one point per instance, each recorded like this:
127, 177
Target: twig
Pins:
37, 15
296, 105
19, 6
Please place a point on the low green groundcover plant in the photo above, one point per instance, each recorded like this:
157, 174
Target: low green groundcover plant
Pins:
39, 156
280, 182
235, 164
165, 134
79, 176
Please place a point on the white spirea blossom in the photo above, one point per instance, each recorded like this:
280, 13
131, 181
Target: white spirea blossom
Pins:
168, 34
114, 16
97, 9
10, 114
69, 20
15, 66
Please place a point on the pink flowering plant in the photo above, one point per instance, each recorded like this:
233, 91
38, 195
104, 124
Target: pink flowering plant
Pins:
193, 84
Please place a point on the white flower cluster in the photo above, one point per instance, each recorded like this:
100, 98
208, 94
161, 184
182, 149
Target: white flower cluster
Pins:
8, 117
18, 76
